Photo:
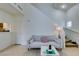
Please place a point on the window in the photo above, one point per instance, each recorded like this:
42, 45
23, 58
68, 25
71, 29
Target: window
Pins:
69, 24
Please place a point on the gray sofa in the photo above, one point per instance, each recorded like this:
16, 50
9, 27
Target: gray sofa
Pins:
36, 41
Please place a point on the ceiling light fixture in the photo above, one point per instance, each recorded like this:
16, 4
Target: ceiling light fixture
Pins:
63, 6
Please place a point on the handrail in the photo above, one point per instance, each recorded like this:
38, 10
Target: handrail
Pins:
72, 30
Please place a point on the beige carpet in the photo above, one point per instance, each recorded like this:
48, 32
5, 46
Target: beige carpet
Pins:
71, 51
14, 51
36, 52
18, 50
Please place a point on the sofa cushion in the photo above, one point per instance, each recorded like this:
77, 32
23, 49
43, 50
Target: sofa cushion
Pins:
39, 44
44, 39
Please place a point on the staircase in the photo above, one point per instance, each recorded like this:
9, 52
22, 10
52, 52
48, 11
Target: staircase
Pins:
70, 43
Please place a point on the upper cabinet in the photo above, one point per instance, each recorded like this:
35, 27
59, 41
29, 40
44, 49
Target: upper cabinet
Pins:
12, 8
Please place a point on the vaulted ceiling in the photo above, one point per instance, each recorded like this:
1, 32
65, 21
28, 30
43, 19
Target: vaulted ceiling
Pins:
58, 6
63, 6
54, 9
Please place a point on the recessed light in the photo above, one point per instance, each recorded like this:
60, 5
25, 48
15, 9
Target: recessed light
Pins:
63, 6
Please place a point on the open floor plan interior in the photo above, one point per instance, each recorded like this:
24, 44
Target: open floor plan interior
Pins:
23, 51
39, 29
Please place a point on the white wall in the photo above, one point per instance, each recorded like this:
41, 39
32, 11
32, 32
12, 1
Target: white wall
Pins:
4, 17
55, 15
23, 31
73, 15
36, 23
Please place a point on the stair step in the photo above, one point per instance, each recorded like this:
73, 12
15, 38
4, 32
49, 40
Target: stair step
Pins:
71, 45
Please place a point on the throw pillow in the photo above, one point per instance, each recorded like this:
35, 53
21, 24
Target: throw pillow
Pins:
44, 39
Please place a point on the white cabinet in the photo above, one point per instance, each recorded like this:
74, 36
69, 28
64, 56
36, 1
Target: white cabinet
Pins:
13, 38
6, 39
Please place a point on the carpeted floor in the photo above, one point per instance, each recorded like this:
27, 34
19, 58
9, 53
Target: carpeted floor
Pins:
33, 52
18, 50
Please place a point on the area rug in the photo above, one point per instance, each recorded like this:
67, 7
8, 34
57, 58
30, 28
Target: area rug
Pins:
36, 52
